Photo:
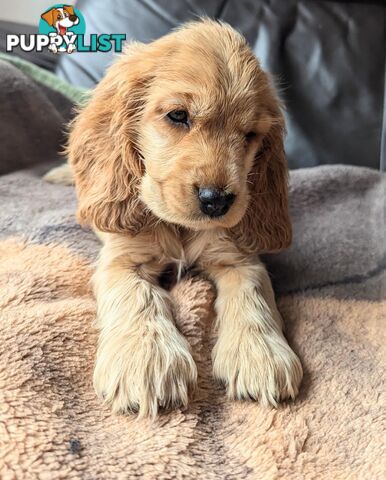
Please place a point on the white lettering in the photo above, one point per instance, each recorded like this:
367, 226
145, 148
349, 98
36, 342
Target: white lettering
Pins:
55, 39
41, 41
70, 38
12, 41
27, 46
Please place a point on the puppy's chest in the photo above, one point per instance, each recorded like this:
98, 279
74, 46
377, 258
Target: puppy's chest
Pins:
184, 250
179, 259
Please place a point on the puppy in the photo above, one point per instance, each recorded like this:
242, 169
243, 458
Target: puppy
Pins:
61, 19
178, 158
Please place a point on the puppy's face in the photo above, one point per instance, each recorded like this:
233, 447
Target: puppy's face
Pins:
201, 127
189, 130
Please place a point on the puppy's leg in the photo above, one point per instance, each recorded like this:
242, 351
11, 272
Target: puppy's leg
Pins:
142, 360
251, 355
62, 175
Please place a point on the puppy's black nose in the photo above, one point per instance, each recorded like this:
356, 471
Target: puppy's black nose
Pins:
214, 202
72, 18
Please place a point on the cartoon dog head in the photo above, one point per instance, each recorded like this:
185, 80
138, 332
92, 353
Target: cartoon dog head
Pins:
61, 18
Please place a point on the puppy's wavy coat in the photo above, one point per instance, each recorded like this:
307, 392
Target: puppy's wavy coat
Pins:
178, 157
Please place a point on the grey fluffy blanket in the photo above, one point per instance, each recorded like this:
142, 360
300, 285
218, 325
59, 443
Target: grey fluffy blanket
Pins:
331, 291
35, 106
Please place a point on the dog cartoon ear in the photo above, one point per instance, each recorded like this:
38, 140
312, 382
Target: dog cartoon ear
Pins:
69, 9
49, 16
103, 145
266, 225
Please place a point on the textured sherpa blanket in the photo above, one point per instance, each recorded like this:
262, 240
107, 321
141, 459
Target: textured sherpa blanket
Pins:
330, 285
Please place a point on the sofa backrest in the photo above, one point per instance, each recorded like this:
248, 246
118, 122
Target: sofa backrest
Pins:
327, 59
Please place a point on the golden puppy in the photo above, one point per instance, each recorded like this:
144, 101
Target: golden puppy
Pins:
178, 158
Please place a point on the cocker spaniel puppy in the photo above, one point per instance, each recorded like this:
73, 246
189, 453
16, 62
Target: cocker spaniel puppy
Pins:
178, 158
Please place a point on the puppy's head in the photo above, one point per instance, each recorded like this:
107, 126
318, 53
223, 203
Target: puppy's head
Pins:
188, 130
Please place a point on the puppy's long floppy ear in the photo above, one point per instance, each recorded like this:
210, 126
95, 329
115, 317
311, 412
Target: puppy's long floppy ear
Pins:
103, 150
49, 16
266, 226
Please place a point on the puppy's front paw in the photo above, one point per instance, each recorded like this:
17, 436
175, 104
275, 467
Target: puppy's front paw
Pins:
149, 368
258, 366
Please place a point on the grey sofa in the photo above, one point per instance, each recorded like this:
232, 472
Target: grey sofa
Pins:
327, 58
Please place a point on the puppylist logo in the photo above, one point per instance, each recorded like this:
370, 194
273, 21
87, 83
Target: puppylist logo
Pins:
62, 28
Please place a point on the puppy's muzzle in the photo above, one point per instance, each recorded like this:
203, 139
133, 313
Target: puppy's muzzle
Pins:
214, 202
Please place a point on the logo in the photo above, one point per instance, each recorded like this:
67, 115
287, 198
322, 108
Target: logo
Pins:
62, 28
62, 23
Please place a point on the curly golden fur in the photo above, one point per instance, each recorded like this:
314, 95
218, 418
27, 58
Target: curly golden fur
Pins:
137, 174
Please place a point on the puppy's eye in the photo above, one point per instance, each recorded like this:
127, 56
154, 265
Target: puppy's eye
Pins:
178, 116
250, 136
